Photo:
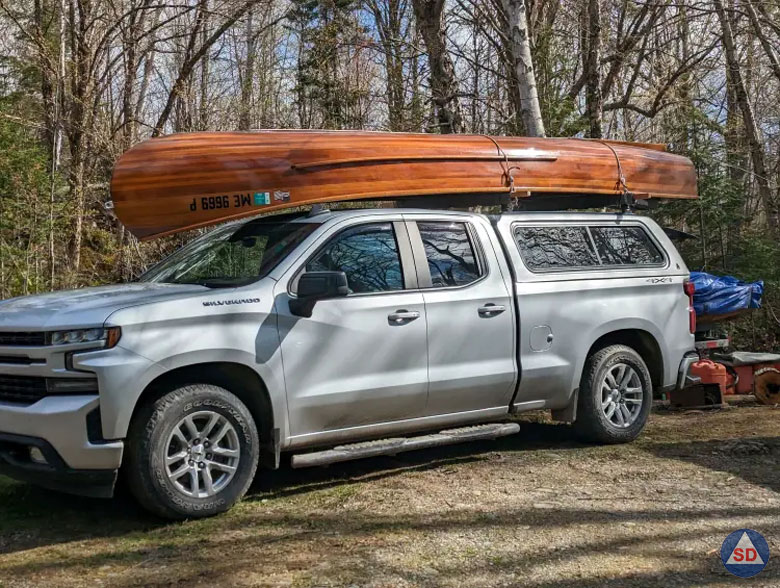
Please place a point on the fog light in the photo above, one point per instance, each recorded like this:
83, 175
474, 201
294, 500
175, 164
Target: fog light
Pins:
36, 456
71, 385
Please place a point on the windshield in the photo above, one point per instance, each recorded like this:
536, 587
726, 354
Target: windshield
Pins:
231, 256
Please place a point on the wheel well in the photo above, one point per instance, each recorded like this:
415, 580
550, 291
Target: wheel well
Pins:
238, 379
640, 341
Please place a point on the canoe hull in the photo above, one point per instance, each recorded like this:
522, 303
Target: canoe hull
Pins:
185, 181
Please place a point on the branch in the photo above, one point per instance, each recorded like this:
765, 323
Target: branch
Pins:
193, 57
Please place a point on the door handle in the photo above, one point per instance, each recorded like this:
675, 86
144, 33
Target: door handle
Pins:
491, 309
402, 316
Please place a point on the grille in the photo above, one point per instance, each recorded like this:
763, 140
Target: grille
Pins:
22, 339
22, 389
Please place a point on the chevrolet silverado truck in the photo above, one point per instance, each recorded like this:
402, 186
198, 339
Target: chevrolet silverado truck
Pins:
330, 336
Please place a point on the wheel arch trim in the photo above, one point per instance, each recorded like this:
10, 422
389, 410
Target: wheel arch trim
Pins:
256, 386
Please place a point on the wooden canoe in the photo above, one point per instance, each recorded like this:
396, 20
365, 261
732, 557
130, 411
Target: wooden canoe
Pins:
185, 181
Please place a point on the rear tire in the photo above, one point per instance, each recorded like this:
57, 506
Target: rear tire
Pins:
615, 396
192, 453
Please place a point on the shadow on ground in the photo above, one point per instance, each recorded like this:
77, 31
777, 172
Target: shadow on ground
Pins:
32, 517
532, 437
754, 459
349, 545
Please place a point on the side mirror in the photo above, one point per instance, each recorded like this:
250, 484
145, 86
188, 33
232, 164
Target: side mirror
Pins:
314, 286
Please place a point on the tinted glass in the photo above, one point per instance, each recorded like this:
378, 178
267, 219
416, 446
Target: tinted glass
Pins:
232, 255
368, 254
555, 247
451, 257
625, 246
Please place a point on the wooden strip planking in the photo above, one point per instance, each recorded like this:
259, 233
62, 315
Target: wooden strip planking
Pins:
186, 181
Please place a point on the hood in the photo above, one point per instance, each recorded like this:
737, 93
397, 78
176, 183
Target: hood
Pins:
86, 306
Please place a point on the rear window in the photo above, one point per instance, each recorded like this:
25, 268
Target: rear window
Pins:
550, 248
625, 246
555, 247
451, 257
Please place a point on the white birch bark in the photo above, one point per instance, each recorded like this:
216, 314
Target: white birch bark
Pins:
517, 23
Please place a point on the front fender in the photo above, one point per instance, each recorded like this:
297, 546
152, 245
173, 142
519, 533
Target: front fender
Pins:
122, 376
270, 373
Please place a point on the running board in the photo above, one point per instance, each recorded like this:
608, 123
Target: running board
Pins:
401, 444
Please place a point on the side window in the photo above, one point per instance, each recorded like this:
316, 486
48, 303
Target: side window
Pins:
368, 254
549, 247
450, 253
625, 246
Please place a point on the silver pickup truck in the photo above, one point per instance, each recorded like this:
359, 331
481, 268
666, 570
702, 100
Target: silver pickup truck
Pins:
336, 335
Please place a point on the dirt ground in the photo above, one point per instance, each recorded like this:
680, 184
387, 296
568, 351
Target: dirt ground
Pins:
537, 509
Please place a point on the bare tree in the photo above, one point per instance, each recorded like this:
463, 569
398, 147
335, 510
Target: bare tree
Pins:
195, 51
248, 74
520, 50
769, 48
591, 68
444, 86
752, 132
393, 27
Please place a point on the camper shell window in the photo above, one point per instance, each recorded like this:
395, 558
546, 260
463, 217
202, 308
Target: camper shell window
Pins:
546, 248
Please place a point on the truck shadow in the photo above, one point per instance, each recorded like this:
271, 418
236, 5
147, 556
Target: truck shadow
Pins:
289, 482
31, 517
26, 511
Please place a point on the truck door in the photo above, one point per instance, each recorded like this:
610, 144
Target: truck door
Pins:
361, 359
471, 325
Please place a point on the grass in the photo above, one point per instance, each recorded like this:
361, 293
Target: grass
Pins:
537, 509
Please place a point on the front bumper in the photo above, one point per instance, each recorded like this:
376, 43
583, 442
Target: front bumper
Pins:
55, 474
61, 422
65, 426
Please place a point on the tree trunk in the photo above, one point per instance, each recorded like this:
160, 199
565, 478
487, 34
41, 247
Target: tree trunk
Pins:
205, 62
594, 102
193, 56
41, 15
80, 90
149, 54
752, 134
520, 44
248, 78
388, 19
769, 49
444, 86
76, 189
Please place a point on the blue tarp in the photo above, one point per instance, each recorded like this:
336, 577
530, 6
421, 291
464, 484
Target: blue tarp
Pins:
724, 294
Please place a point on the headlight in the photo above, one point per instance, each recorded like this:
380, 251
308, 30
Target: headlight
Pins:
108, 337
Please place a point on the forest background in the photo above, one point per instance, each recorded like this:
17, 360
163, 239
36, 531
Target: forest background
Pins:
81, 81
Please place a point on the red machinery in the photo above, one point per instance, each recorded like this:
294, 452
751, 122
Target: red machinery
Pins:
722, 372
741, 372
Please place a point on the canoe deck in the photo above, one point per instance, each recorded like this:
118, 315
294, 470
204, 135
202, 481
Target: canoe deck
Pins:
180, 182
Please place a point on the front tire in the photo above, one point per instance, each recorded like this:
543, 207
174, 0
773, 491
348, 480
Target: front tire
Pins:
615, 396
192, 453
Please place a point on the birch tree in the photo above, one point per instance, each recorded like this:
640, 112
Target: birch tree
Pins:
520, 50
